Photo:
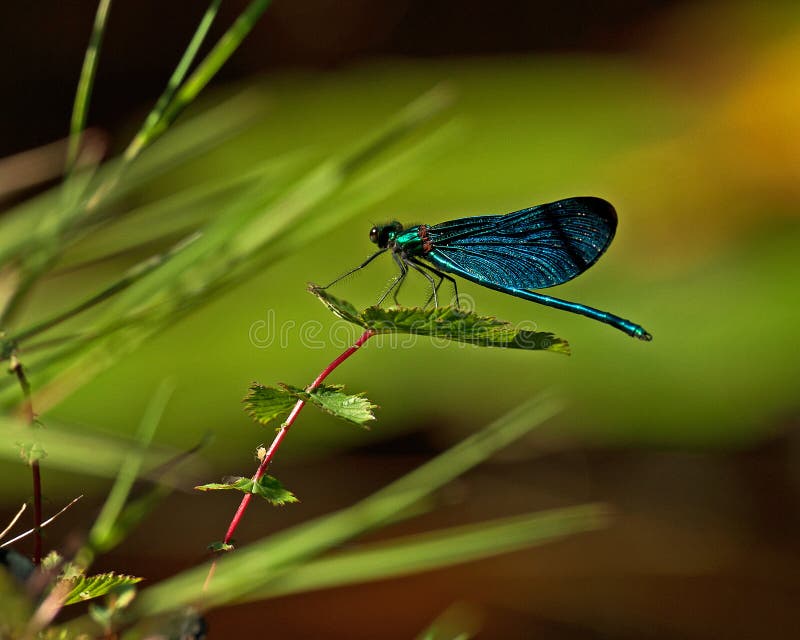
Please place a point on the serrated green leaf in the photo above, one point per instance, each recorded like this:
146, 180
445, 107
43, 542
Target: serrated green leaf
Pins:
356, 409
88, 587
339, 307
443, 322
239, 484
267, 487
270, 488
265, 404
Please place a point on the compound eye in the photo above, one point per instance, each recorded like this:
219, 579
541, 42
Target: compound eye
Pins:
374, 233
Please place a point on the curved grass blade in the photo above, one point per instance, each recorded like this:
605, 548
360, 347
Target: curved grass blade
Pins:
208, 68
67, 449
133, 275
143, 136
26, 229
414, 554
80, 108
104, 533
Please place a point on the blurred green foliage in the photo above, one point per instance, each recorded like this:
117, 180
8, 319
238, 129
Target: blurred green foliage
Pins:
705, 255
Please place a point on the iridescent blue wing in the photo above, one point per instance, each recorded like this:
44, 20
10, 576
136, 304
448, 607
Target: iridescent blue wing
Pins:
529, 249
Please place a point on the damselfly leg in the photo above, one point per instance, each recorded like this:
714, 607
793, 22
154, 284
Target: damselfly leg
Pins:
442, 277
358, 268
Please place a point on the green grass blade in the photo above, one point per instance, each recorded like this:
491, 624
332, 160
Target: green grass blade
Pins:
372, 186
347, 173
141, 138
436, 550
175, 214
23, 229
459, 621
67, 448
80, 108
58, 220
208, 68
132, 276
99, 536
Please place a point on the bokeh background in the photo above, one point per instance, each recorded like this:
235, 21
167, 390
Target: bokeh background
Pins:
683, 114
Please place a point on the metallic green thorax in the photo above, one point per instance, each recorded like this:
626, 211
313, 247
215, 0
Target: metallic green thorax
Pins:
413, 241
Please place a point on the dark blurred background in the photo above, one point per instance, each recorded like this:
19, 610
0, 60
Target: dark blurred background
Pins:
42, 68
684, 114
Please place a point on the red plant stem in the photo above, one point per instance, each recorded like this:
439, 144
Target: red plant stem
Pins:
37, 513
273, 448
30, 417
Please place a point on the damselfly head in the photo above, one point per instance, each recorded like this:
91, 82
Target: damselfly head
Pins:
382, 234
